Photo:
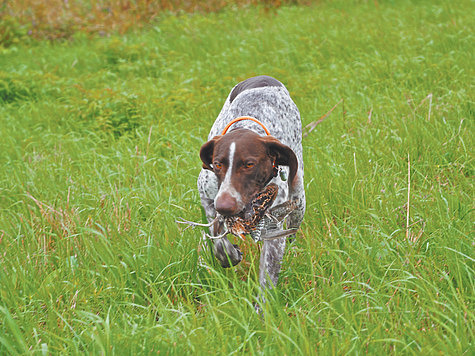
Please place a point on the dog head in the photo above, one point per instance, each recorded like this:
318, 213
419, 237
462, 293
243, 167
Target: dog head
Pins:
244, 162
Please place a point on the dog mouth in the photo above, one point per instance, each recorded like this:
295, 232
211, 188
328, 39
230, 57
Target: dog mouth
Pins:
248, 219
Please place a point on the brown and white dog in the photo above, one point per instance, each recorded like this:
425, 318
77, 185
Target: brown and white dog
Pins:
239, 163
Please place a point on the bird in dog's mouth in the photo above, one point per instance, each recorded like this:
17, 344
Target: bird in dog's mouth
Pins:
247, 221
250, 221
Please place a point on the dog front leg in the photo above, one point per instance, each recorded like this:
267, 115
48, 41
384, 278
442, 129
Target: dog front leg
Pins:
270, 262
226, 253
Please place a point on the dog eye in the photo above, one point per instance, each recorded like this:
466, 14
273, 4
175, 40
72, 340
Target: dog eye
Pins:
217, 165
249, 164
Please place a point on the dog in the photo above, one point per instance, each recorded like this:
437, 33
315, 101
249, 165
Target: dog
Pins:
257, 134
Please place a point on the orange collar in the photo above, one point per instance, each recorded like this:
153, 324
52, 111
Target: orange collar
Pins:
241, 118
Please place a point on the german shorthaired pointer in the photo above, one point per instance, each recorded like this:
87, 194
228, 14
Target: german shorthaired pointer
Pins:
240, 163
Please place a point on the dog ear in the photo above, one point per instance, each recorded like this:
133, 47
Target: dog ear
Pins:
283, 155
206, 152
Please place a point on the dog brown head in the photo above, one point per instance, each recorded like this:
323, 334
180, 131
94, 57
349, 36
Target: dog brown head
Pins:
244, 163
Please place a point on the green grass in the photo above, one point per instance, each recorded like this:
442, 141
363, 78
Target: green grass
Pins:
99, 154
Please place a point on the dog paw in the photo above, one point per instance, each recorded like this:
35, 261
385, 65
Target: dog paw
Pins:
235, 257
227, 254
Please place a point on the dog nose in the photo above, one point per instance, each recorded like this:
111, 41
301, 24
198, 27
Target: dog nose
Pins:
226, 205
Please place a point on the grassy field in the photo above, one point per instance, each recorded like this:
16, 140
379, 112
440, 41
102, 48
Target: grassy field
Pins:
99, 154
